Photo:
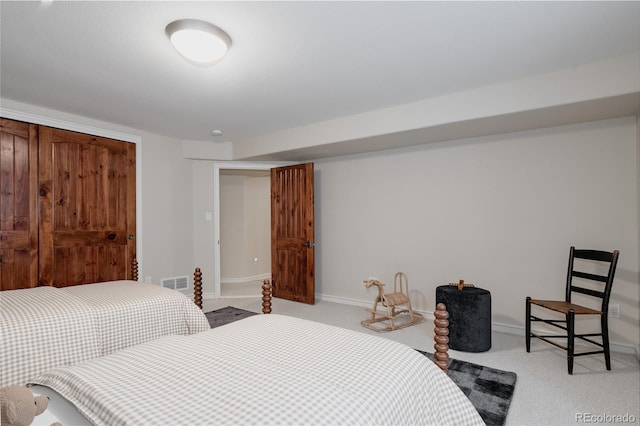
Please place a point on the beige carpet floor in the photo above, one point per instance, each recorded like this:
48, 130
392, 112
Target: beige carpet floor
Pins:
544, 395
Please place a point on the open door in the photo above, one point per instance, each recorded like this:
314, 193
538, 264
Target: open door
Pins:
292, 233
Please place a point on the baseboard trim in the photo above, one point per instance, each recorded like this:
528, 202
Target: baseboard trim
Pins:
361, 303
343, 300
519, 330
245, 279
495, 326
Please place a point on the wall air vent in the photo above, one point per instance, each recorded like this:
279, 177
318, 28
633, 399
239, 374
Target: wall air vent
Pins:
176, 283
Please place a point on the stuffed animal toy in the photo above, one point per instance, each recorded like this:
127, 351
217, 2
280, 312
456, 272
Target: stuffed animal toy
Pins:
18, 406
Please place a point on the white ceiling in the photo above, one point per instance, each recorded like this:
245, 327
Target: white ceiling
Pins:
292, 64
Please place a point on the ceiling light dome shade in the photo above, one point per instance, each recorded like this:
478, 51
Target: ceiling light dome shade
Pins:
198, 41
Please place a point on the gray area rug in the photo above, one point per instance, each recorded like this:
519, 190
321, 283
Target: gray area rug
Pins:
226, 315
490, 390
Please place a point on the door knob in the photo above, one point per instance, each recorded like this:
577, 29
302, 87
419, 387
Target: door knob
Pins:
309, 244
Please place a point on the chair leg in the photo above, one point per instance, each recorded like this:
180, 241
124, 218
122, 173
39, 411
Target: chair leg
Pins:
375, 309
391, 314
410, 311
527, 322
604, 323
571, 315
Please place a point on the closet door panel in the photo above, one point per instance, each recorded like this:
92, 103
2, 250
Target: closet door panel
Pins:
87, 208
18, 214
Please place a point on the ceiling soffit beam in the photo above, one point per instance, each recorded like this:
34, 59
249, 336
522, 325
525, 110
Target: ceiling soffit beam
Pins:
602, 109
590, 92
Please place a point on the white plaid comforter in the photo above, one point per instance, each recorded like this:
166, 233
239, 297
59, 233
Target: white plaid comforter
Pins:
46, 327
43, 328
129, 312
266, 369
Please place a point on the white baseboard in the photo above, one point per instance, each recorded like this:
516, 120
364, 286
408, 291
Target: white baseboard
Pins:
343, 300
495, 326
245, 279
368, 304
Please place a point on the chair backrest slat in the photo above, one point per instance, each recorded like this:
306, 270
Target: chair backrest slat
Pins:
588, 276
594, 293
597, 255
602, 256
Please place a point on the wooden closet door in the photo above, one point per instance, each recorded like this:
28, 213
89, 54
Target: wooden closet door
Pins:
87, 208
18, 200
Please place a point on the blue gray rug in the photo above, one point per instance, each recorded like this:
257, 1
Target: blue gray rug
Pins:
490, 390
226, 315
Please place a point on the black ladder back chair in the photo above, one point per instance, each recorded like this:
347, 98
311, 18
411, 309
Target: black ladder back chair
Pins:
570, 310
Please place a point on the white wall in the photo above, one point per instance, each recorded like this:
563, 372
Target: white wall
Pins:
257, 232
498, 211
203, 243
167, 210
232, 221
245, 227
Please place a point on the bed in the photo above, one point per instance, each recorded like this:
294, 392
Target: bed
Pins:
113, 354
47, 327
265, 369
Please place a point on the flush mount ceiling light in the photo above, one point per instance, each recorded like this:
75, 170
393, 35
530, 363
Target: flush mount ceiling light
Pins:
200, 42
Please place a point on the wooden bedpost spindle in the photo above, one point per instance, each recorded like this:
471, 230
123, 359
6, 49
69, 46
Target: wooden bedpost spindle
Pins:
197, 288
266, 297
441, 337
134, 269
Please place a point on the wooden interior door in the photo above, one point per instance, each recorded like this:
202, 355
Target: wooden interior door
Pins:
292, 233
87, 208
18, 201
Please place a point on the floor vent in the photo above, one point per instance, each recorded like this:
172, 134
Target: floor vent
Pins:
176, 283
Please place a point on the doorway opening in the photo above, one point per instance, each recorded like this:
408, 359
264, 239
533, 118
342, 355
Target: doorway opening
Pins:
242, 228
245, 234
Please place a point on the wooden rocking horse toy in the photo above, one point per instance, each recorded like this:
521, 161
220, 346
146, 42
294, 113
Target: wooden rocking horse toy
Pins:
391, 301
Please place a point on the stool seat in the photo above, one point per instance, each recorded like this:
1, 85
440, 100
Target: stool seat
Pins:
469, 317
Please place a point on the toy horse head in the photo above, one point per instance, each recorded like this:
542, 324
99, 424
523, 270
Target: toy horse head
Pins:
369, 283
